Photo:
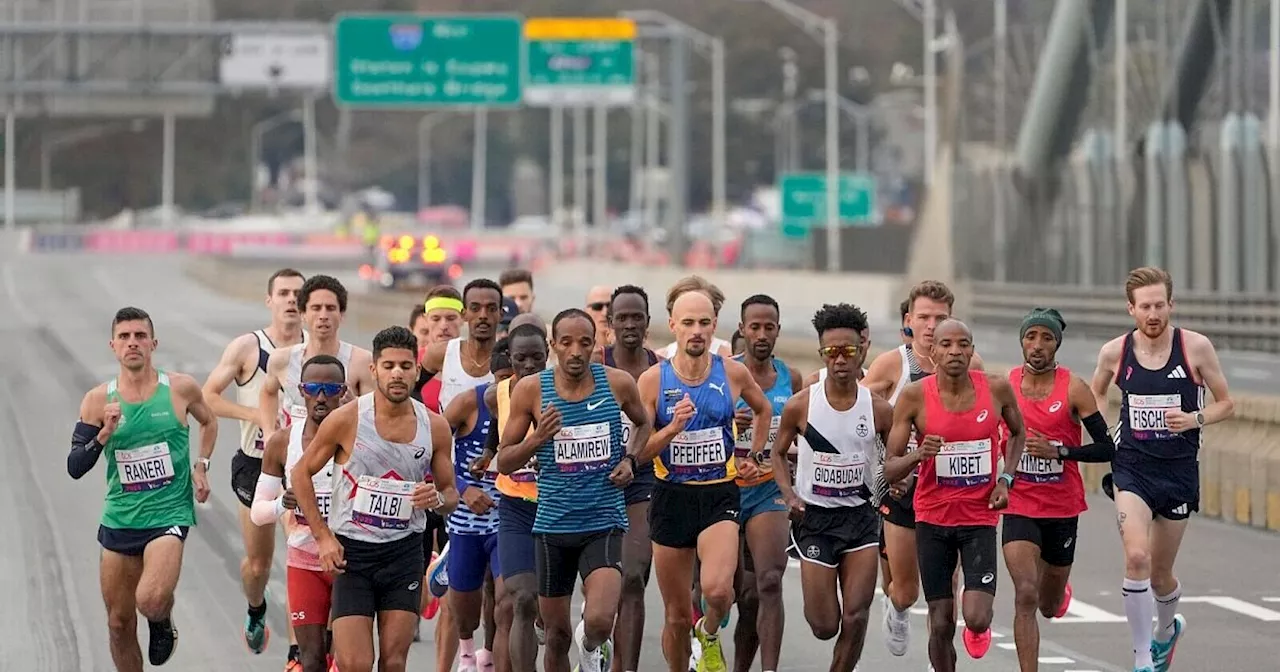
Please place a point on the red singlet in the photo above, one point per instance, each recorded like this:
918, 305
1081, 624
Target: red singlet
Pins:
954, 488
1048, 488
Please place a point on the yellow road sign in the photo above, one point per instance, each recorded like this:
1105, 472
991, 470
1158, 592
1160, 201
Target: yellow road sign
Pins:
554, 28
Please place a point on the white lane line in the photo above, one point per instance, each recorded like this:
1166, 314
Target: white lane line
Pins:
11, 290
1238, 606
1056, 660
1271, 599
216, 340
1008, 646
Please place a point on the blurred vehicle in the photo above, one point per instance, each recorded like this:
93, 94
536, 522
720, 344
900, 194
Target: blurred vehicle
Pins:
406, 261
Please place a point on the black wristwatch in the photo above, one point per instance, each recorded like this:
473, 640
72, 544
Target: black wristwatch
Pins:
1062, 452
1200, 418
634, 465
758, 457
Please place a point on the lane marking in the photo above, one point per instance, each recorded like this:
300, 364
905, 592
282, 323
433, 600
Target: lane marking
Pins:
1238, 606
1083, 612
1008, 646
216, 340
1271, 599
1056, 660
11, 290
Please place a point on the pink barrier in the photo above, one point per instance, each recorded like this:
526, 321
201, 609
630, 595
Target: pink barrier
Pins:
131, 241
223, 243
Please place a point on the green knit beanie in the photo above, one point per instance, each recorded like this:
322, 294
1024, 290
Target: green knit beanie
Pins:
1044, 317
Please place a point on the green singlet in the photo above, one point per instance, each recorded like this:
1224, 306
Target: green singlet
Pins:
148, 464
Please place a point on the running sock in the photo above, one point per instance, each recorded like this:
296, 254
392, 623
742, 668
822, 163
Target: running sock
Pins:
467, 647
259, 612
1140, 609
1166, 609
294, 652
166, 624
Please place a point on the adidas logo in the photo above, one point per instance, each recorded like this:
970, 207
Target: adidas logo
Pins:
1177, 372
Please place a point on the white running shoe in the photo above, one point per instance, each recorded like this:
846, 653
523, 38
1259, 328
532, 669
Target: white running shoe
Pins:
897, 630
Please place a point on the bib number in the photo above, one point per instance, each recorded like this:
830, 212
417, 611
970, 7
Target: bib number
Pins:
385, 503
1037, 470
144, 469
583, 448
742, 447
698, 453
838, 475
964, 464
322, 500
1146, 415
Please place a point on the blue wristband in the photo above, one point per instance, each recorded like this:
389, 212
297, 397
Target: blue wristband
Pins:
1007, 479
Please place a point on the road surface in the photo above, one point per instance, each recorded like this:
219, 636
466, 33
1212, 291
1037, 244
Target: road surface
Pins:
58, 312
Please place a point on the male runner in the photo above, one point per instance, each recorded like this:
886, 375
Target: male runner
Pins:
243, 359
473, 527
1040, 524
929, 303
517, 285
383, 447
763, 516
464, 363
582, 470
838, 423
597, 305
139, 420
517, 610
696, 283
324, 305
694, 511
1162, 374
958, 498
629, 319
737, 343
324, 389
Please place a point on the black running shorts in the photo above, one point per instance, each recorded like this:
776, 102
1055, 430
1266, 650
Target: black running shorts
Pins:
379, 577
1056, 537
678, 513
937, 550
244, 477
134, 542
561, 559
824, 535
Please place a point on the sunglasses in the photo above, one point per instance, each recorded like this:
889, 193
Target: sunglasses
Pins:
835, 351
598, 306
326, 389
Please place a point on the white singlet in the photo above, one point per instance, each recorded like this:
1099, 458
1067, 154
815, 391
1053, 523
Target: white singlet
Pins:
911, 371
373, 491
454, 378
291, 398
837, 451
717, 344
303, 552
251, 441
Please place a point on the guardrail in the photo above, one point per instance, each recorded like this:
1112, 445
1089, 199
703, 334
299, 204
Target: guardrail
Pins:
1239, 322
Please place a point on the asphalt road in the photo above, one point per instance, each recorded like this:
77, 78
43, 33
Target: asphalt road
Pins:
58, 313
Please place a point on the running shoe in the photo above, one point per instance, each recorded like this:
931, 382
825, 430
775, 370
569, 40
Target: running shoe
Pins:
600, 660
484, 660
164, 641
467, 663
438, 575
540, 631
1066, 602
1162, 652
256, 633
897, 630
292, 665
712, 658
333, 662
977, 643
702, 610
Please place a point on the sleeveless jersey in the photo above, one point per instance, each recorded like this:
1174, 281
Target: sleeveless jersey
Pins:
574, 491
627, 426
911, 372
373, 491
702, 454
465, 449
292, 399
251, 441
837, 451
303, 552
1048, 488
454, 379
777, 396
953, 488
522, 483
148, 464
1146, 395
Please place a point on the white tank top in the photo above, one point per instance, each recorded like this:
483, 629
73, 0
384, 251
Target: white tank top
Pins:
373, 491
908, 357
251, 442
455, 379
717, 344
291, 398
303, 551
837, 451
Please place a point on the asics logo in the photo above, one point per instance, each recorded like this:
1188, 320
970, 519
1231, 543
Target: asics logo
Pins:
1057, 405
592, 407
988, 578
413, 586
982, 416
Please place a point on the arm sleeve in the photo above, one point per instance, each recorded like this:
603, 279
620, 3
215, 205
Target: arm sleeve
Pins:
85, 450
268, 502
1103, 448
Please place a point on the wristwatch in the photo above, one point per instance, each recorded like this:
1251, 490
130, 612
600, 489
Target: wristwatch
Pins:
1007, 479
1062, 452
758, 457
634, 464
1200, 418
204, 462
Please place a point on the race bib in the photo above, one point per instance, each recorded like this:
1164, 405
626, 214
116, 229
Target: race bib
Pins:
964, 463
697, 452
1146, 414
836, 475
583, 448
385, 503
742, 447
1037, 470
297, 411
627, 429
324, 495
526, 474
144, 469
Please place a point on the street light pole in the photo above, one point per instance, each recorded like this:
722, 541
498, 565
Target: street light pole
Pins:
930, 90
425, 123
255, 148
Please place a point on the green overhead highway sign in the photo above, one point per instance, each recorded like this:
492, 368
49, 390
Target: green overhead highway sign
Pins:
580, 61
804, 201
415, 61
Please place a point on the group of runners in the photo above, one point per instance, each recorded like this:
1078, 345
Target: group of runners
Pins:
479, 478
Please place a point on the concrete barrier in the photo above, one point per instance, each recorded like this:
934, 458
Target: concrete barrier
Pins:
1239, 463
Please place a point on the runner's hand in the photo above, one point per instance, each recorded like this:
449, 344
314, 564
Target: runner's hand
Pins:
290, 502
899, 490
477, 467
622, 475
477, 501
1039, 447
548, 424
747, 468
929, 446
332, 555
683, 412
795, 506
201, 482
1179, 421
999, 497
425, 496
110, 420
742, 419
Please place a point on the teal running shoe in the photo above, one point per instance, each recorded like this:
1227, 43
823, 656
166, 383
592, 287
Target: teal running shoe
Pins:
724, 622
256, 633
1162, 652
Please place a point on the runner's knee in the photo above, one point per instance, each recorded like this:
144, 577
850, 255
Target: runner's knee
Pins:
942, 621
524, 604
559, 637
1026, 595
769, 583
679, 616
854, 619
719, 594
635, 578
1137, 561
154, 603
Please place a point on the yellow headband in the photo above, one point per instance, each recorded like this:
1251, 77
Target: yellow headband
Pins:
442, 302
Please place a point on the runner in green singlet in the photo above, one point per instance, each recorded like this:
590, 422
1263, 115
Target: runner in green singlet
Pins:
139, 419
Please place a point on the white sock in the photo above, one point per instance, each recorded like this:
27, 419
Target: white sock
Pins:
467, 647
1166, 609
1140, 609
